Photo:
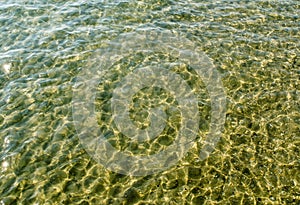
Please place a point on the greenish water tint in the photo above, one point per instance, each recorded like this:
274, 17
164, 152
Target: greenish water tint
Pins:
253, 44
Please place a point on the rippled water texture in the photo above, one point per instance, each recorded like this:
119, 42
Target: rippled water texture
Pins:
254, 45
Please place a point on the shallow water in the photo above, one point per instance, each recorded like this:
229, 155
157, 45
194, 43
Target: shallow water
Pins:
254, 46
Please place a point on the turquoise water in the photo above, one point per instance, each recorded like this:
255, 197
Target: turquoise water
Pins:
254, 46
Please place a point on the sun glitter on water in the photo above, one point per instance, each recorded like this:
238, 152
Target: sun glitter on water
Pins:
6, 68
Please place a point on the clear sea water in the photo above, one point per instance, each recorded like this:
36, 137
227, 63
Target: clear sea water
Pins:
254, 45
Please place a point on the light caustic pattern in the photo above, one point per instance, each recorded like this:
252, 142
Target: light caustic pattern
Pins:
144, 41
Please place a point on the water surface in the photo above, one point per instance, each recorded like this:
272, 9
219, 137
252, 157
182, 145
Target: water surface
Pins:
254, 45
